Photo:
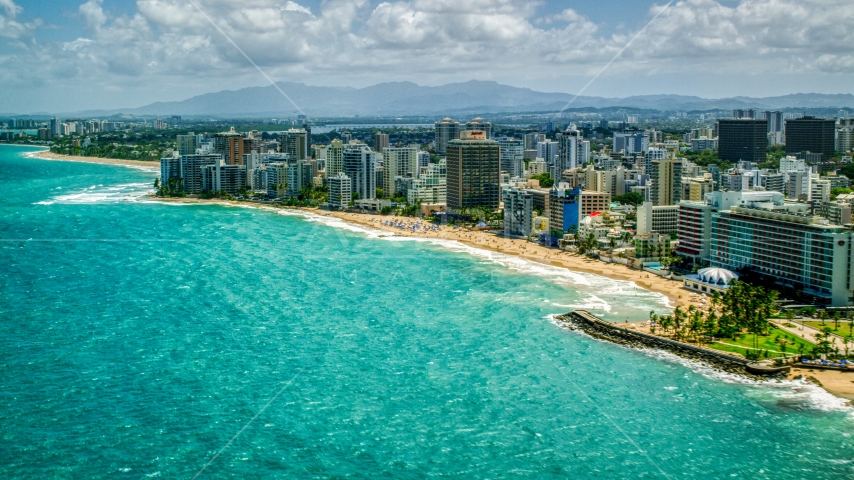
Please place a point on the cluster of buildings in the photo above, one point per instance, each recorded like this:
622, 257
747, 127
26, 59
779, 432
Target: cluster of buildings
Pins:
781, 223
747, 134
55, 127
780, 226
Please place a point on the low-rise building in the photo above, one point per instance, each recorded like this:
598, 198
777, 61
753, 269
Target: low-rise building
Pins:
431, 186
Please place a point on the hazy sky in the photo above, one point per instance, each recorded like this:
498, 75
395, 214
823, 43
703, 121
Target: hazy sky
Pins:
62, 55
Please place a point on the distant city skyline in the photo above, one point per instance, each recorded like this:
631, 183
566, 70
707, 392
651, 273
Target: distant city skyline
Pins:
100, 54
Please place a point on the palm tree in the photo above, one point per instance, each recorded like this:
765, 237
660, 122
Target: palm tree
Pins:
790, 316
626, 238
822, 315
783, 342
835, 321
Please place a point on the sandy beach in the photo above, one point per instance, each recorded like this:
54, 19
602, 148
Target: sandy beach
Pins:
48, 155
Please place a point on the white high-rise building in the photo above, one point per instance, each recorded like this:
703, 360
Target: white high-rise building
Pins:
548, 151
432, 186
340, 191
398, 162
798, 184
569, 151
334, 158
512, 155
360, 164
518, 212
793, 164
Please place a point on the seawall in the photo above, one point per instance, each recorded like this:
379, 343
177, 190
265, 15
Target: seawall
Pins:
593, 326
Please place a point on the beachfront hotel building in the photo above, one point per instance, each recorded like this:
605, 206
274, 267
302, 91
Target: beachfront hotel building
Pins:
776, 242
790, 249
222, 177
695, 220
518, 212
187, 169
360, 164
474, 165
657, 218
340, 191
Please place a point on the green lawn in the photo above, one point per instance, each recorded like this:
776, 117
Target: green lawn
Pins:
844, 327
766, 342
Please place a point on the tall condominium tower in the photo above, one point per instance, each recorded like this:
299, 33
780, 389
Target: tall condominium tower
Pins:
479, 124
398, 162
810, 134
569, 151
230, 146
666, 182
294, 142
474, 163
360, 164
446, 130
742, 140
512, 155
380, 142
334, 158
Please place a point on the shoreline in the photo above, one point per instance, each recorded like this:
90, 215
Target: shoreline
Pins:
670, 289
48, 155
838, 384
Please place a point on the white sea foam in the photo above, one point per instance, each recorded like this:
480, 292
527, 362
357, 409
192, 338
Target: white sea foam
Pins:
791, 394
562, 276
127, 192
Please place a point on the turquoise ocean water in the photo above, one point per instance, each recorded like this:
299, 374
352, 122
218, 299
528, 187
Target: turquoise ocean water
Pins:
140, 339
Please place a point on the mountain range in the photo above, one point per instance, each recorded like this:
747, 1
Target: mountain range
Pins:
409, 99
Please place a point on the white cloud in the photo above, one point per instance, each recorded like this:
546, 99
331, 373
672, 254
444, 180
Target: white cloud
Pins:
770, 34
169, 43
93, 13
9, 26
